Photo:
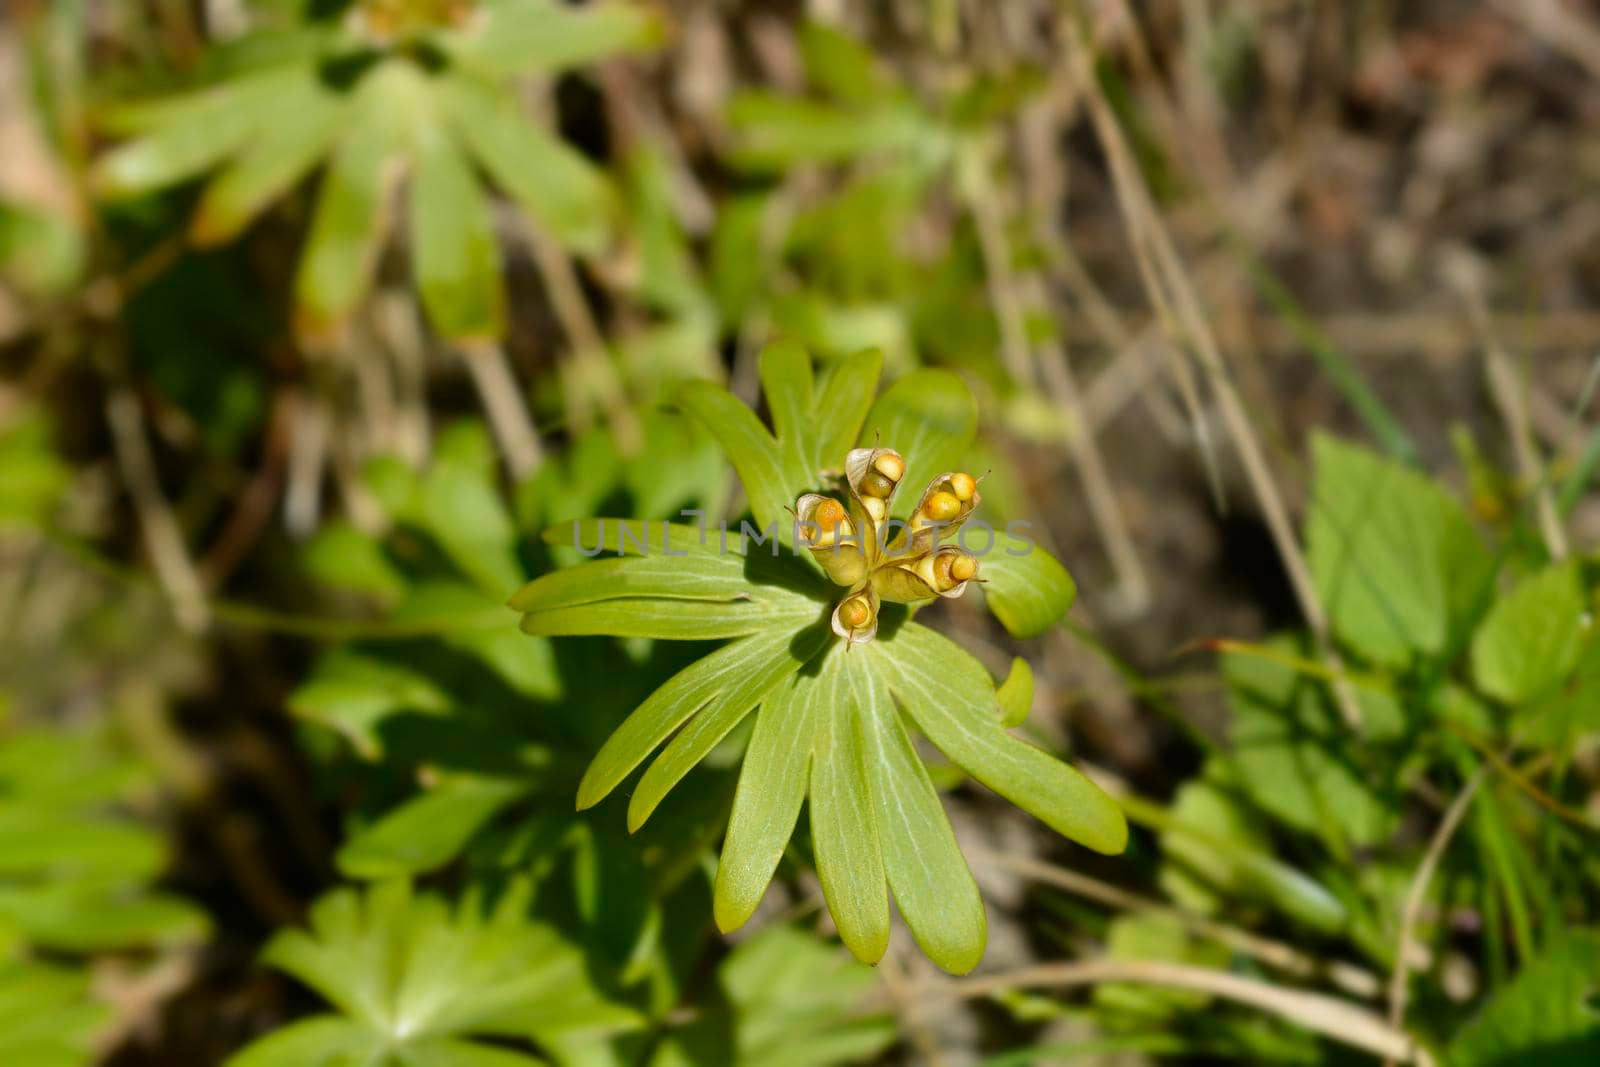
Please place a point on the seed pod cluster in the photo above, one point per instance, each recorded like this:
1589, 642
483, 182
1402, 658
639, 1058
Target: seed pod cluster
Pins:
834, 541
848, 539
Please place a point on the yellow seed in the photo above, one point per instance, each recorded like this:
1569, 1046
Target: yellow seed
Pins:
963, 568
875, 484
963, 486
855, 613
828, 514
890, 466
875, 507
941, 571
942, 507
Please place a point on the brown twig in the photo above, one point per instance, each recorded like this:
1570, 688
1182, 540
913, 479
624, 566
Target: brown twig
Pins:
163, 537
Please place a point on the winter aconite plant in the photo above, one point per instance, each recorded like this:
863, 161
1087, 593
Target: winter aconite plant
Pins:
822, 646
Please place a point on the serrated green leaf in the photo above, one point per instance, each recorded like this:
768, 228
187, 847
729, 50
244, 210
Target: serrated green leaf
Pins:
565, 194
766, 804
288, 142
1026, 587
931, 418
1394, 557
740, 673
932, 886
1015, 695
1286, 743
455, 259
950, 697
427, 831
1531, 639
1546, 1014
844, 824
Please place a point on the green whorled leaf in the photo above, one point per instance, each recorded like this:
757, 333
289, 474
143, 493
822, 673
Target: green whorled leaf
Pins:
540, 35
787, 384
634, 537
76, 845
766, 804
180, 138
345, 557
693, 596
930, 418
750, 448
320, 1041
35, 474
1015, 695
43, 252
466, 618
88, 918
47, 1016
1532, 638
290, 140
460, 507
669, 619
428, 830
842, 66
842, 404
569, 197
740, 673
952, 700
351, 693
1545, 1015
844, 822
455, 259
1395, 558
773, 132
706, 730
933, 888
351, 220
697, 576
1026, 587
443, 1052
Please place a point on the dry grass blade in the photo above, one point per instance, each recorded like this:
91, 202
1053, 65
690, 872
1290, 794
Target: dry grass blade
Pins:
1170, 289
1331, 1017
1352, 979
1418, 890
